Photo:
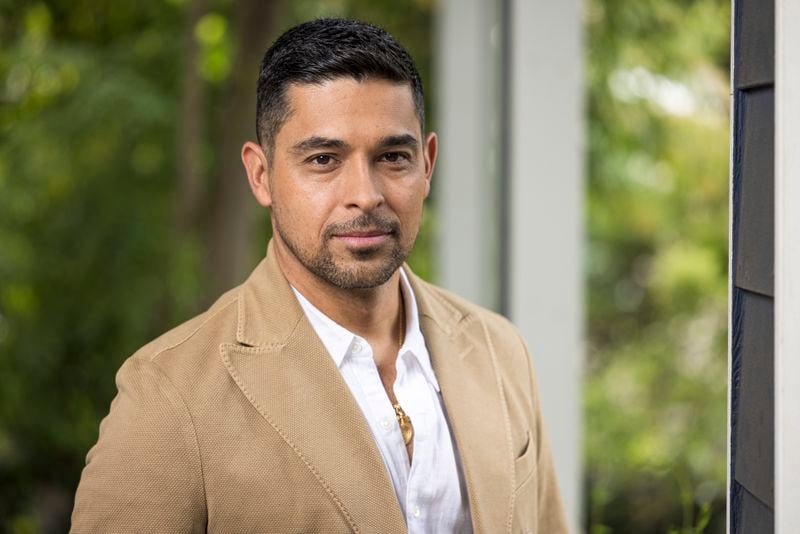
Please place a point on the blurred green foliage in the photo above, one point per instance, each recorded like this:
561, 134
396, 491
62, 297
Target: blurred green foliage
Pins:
657, 220
92, 264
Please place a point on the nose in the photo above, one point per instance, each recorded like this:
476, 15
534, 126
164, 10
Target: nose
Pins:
362, 188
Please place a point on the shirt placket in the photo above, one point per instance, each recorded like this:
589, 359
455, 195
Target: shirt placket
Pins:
413, 394
379, 409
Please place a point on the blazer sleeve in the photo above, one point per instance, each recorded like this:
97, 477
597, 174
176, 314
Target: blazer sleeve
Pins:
144, 474
551, 511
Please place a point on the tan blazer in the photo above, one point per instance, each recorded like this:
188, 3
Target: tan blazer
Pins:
239, 421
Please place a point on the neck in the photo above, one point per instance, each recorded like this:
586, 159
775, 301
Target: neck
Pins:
372, 313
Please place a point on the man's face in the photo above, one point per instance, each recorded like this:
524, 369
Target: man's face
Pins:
348, 178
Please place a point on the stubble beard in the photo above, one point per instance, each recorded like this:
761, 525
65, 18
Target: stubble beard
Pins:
359, 275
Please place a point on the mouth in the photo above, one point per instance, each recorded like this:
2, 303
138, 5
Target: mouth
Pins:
363, 238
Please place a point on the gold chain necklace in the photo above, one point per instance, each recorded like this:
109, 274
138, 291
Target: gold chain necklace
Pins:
406, 428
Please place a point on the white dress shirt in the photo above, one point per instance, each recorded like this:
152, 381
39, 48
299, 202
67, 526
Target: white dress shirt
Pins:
431, 491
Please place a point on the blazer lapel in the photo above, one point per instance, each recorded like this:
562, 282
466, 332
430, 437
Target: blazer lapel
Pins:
283, 369
473, 396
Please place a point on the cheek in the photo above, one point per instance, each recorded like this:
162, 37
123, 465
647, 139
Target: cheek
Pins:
411, 213
300, 200
305, 213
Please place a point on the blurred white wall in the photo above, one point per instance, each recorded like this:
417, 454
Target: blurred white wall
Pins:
510, 189
787, 266
467, 186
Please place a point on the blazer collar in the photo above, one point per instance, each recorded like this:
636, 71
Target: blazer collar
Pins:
286, 373
472, 389
268, 311
267, 293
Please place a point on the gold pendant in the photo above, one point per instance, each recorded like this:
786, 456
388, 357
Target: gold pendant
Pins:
405, 424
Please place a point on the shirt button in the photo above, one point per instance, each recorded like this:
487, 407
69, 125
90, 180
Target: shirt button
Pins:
357, 346
385, 423
416, 511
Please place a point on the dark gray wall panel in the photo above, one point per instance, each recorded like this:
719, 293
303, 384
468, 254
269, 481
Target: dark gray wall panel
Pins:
752, 277
755, 418
755, 226
755, 516
755, 45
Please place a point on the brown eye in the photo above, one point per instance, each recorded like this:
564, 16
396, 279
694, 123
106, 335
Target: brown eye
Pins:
394, 157
322, 159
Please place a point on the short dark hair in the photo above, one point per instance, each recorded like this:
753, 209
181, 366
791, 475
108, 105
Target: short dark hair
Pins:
325, 49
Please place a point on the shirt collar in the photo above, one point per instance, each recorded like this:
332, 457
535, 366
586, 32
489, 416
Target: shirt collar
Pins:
414, 342
338, 340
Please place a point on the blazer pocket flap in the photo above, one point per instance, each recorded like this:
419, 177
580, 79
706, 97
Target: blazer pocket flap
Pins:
525, 463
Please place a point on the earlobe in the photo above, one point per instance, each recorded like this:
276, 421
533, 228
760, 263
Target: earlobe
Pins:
257, 169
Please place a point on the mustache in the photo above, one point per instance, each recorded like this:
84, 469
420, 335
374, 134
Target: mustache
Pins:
365, 221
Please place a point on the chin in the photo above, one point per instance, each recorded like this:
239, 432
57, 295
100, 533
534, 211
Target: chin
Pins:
361, 278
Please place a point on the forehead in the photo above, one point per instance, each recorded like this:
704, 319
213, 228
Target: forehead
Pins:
348, 109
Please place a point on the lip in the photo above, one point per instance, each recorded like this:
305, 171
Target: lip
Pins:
363, 238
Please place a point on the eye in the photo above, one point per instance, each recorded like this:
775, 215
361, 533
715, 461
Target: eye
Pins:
395, 157
322, 159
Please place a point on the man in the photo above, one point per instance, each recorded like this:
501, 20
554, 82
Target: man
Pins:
333, 391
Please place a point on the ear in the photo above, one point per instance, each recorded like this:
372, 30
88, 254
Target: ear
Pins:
257, 169
430, 153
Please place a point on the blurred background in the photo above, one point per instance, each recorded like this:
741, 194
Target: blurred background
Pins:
121, 189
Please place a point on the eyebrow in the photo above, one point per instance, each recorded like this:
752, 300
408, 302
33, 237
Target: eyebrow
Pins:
317, 142
402, 140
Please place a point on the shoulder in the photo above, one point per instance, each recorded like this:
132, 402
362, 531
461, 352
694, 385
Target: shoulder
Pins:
493, 335
197, 340
467, 313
